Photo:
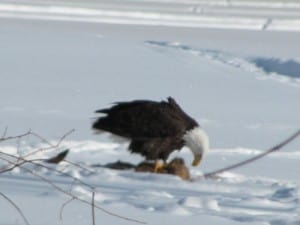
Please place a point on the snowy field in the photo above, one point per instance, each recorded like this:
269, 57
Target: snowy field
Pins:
233, 65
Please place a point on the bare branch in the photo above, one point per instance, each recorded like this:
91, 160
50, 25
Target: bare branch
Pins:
50, 146
16, 207
73, 196
273, 149
78, 166
93, 207
12, 166
15, 137
49, 143
20, 161
63, 207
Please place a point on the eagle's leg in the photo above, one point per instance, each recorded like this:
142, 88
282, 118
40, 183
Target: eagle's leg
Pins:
158, 165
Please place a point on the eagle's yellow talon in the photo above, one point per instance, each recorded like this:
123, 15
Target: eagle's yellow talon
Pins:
158, 166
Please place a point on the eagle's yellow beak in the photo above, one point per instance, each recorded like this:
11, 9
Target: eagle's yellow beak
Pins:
197, 159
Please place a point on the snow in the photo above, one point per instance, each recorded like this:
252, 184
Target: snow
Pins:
217, 14
232, 65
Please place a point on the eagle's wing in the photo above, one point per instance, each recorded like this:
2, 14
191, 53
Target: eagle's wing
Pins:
143, 119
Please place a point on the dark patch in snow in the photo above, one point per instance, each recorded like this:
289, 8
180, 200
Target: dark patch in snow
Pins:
278, 222
179, 46
289, 68
284, 222
244, 219
284, 193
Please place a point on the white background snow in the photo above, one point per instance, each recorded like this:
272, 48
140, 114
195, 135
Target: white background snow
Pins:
233, 65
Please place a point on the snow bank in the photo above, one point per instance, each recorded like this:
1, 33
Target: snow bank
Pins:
207, 14
233, 197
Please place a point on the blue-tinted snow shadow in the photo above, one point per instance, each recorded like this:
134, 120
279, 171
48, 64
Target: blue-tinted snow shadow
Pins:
290, 68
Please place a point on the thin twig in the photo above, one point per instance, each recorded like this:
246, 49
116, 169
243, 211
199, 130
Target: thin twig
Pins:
78, 166
81, 200
5, 170
49, 143
16, 207
51, 146
22, 161
273, 149
15, 137
93, 208
40, 177
63, 207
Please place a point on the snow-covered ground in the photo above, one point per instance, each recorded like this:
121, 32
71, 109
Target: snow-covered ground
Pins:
233, 65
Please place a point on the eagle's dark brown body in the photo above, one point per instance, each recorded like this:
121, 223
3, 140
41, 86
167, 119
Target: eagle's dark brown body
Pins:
154, 128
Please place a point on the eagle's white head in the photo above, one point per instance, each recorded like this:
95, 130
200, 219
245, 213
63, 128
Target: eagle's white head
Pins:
198, 142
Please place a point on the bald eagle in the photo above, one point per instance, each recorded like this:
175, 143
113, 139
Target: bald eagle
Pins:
155, 129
